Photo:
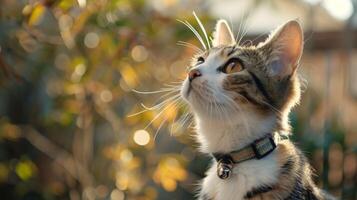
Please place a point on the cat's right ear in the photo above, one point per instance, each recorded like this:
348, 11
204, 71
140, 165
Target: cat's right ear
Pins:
284, 48
223, 35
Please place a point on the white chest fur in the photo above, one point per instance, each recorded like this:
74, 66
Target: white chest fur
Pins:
220, 137
245, 177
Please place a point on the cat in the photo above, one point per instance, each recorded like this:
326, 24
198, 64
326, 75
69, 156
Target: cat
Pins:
241, 97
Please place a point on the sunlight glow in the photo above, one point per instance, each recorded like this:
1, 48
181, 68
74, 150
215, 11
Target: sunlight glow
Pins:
141, 137
82, 3
340, 9
312, 1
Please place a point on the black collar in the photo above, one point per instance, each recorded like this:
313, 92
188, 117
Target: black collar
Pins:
256, 150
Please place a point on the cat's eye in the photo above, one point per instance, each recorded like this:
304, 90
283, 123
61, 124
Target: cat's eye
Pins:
200, 60
232, 66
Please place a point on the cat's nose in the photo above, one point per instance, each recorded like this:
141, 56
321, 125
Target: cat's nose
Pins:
194, 73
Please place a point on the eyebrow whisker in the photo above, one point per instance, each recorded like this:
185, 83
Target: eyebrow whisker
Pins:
203, 29
188, 25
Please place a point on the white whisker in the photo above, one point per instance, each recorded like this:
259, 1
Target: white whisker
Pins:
168, 94
173, 122
158, 129
189, 45
194, 32
151, 108
231, 24
240, 28
244, 31
188, 117
203, 29
153, 92
159, 114
137, 113
160, 104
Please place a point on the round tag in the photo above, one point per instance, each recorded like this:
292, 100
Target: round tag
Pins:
224, 169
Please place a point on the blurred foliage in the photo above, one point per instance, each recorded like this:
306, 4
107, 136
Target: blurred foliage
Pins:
67, 70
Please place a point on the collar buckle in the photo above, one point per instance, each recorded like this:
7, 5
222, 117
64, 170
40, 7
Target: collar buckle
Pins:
262, 148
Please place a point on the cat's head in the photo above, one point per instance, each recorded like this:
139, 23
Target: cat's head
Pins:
228, 80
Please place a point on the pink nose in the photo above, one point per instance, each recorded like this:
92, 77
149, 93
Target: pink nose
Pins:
193, 74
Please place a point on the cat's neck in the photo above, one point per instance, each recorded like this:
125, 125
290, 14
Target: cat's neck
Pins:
227, 135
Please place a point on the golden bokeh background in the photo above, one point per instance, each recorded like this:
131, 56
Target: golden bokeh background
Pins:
69, 70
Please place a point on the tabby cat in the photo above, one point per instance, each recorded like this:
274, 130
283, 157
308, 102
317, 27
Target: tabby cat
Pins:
241, 97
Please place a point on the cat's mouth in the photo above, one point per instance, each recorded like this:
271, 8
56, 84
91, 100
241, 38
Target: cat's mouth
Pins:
191, 92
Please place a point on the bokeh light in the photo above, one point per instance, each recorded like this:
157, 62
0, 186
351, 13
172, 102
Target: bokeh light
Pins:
117, 195
79, 71
341, 9
106, 96
141, 137
70, 72
139, 53
91, 40
126, 155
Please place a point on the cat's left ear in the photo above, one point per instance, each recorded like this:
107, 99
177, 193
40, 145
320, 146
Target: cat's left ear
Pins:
284, 49
223, 35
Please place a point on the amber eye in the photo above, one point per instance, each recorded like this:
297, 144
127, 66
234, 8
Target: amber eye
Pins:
232, 66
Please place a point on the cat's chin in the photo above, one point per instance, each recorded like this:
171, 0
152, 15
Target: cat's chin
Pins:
216, 111
220, 114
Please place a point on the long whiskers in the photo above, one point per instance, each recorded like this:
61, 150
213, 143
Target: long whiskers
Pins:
202, 29
189, 45
194, 31
165, 108
157, 106
161, 104
152, 92
183, 120
179, 104
158, 129
244, 30
170, 99
168, 91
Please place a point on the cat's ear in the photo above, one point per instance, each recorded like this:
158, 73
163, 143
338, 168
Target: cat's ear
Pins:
223, 34
284, 49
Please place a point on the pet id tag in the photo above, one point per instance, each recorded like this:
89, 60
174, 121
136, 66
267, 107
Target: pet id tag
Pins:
224, 169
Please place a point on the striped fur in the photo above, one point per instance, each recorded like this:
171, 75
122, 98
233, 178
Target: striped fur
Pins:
234, 109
